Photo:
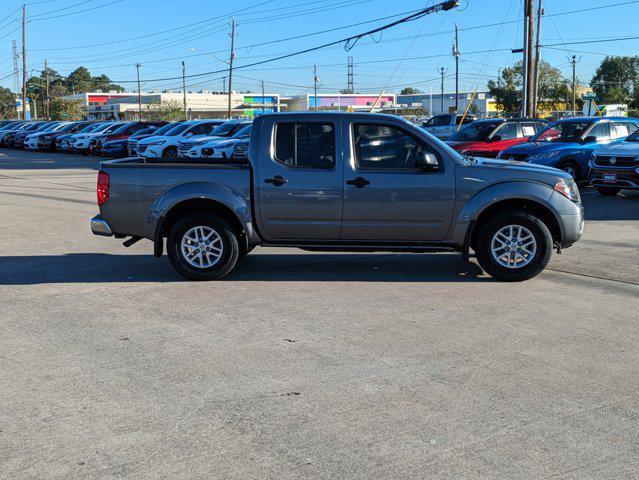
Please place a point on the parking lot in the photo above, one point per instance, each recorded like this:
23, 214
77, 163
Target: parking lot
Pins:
307, 365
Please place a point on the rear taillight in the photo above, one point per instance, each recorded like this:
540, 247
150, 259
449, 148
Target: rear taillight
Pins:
103, 187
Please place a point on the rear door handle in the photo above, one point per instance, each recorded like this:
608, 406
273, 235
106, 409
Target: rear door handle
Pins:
359, 182
277, 180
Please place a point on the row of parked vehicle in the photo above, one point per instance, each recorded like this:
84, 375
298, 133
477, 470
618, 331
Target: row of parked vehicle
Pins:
213, 138
602, 150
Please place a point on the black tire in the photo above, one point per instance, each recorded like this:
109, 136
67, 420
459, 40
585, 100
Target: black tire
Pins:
230, 248
170, 152
570, 167
608, 191
540, 259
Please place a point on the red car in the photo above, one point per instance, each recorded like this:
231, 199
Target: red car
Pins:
486, 138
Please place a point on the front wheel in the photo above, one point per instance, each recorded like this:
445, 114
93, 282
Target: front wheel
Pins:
514, 246
570, 168
202, 247
608, 191
170, 152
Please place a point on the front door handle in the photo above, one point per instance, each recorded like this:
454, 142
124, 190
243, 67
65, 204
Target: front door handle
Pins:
359, 182
277, 180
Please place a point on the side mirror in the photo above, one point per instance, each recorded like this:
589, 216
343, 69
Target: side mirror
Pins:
589, 139
496, 138
427, 161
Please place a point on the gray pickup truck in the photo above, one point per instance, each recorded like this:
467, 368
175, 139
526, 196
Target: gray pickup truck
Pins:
340, 182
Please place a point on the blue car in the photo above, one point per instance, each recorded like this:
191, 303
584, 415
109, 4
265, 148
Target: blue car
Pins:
568, 144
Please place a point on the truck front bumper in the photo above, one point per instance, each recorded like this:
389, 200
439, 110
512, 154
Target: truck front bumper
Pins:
99, 226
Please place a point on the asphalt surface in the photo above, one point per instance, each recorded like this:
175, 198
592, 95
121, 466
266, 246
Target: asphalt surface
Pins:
306, 365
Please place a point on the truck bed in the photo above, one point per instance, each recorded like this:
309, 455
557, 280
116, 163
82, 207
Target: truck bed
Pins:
137, 184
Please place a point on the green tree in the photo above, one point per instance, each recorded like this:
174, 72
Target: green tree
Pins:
410, 91
62, 109
617, 81
168, 110
507, 89
7, 103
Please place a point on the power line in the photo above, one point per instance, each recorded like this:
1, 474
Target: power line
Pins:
78, 11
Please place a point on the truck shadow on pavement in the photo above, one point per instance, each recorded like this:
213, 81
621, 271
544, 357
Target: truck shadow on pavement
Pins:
108, 268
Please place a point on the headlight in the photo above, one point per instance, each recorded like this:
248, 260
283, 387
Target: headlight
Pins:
157, 142
568, 188
544, 156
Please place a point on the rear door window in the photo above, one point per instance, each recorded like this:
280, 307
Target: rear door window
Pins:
305, 145
601, 131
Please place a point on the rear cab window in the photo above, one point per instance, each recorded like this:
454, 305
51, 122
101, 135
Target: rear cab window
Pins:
305, 144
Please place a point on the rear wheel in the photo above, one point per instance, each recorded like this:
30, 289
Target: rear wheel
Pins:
202, 247
514, 246
608, 191
170, 152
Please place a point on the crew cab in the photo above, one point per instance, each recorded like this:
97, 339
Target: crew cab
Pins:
327, 181
487, 138
616, 167
443, 126
568, 144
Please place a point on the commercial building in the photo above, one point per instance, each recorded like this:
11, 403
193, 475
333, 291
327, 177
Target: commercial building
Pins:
124, 106
484, 103
338, 101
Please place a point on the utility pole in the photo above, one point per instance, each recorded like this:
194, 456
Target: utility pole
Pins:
350, 82
137, 66
540, 12
574, 63
528, 60
46, 89
231, 64
315, 80
186, 114
442, 72
456, 55
24, 62
223, 84
263, 98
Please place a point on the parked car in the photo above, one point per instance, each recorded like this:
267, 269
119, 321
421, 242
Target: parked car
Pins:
7, 135
81, 142
443, 126
167, 145
122, 133
220, 146
132, 143
44, 140
20, 137
616, 167
224, 130
568, 144
62, 140
486, 138
119, 148
341, 181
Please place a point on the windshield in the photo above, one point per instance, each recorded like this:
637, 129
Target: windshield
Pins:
243, 132
109, 128
58, 127
439, 121
562, 132
162, 130
477, 131
121, 128
90, 128
633, 137
176, 130
223, 130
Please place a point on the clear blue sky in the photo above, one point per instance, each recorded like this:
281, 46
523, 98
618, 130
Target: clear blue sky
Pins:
57, 27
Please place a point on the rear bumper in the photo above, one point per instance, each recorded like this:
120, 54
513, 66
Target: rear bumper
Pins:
99, 226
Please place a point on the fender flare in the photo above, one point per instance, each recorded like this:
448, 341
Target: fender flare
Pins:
216, 192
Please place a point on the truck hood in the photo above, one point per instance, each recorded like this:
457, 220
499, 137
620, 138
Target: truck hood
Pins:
515, 167
622, 148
